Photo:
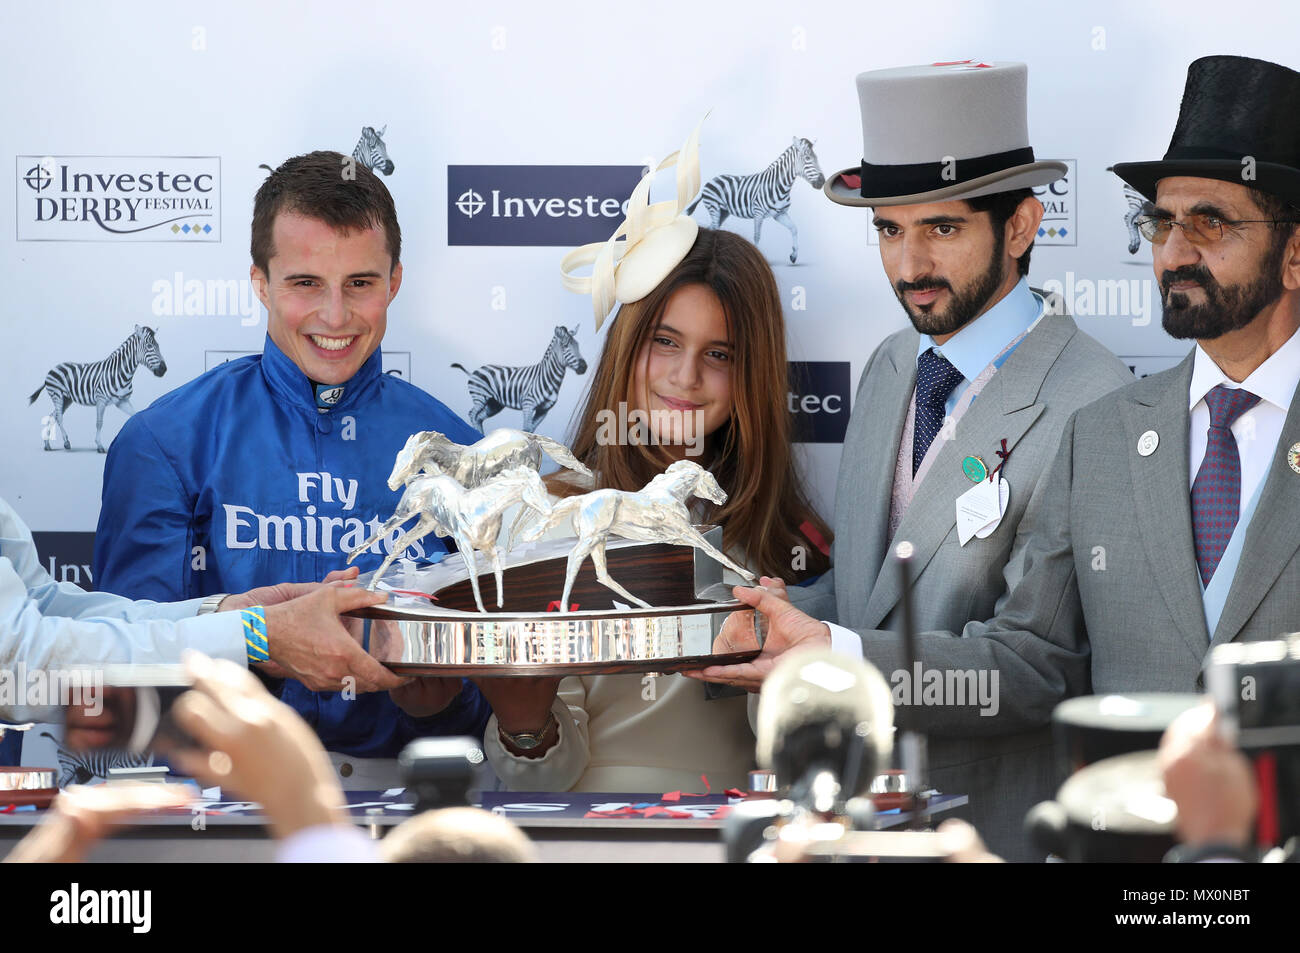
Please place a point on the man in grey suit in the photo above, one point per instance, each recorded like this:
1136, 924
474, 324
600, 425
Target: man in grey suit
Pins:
966, 405
1167, 522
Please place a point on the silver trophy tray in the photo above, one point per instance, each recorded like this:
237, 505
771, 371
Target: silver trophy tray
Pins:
413, 637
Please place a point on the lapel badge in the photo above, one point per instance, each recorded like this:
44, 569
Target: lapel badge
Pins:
1293, 457
977, 472
1148, 442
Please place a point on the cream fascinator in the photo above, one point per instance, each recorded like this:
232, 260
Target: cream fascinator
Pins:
650, 243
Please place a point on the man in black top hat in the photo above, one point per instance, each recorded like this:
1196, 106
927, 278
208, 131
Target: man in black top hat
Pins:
1169, 525
1168, 518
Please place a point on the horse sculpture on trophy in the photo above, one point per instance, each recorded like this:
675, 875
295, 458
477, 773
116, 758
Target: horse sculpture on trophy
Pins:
656, 513
472, 517
474, 464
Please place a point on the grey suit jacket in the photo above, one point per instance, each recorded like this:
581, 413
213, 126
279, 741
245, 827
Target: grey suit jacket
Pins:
1113, 578
1003, 764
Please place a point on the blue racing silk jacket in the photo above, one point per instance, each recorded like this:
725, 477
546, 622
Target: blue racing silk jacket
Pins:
251, 475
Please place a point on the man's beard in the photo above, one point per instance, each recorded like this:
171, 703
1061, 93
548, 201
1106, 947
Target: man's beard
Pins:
1225, 308
963, 306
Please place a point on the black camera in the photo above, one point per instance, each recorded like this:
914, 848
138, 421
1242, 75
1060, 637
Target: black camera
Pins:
1256, 689
135, 715
441, 772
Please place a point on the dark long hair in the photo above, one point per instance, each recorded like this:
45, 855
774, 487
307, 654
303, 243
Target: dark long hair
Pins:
767, 517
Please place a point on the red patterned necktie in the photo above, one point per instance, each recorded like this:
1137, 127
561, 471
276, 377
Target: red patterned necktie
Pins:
1216, 493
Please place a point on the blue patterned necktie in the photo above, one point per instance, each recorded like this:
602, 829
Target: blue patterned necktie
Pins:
935, 379
1216, 492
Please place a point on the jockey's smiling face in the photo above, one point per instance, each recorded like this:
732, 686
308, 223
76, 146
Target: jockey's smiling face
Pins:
327, 295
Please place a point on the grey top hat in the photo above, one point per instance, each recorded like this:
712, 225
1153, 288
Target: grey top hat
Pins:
941, 132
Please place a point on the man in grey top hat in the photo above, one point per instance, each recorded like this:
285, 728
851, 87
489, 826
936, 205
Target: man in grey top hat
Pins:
955, 422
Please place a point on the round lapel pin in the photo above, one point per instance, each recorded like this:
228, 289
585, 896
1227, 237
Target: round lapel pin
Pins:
976, 471
1148, 442
1293, 457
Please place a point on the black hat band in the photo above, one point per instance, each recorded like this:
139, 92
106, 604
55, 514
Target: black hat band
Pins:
919, 177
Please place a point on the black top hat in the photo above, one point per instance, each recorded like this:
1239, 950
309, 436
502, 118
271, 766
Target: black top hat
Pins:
1234, 109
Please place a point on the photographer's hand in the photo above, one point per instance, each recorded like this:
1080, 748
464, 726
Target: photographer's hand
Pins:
82, 816
256, 746
1209, 780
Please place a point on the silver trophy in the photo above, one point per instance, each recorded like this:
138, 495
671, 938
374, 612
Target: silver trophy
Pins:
645, 536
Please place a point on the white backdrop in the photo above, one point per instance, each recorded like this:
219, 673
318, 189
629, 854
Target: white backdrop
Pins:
249, 83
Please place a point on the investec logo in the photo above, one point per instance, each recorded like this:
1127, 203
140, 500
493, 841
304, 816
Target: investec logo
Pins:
536, 204
119, 198
818, 397
1059, 219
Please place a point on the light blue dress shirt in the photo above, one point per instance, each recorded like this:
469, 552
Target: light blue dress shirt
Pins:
981, 341
47, 625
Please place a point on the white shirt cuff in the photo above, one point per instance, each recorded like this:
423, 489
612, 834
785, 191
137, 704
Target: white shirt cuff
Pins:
328, 844
845, 641
557, 770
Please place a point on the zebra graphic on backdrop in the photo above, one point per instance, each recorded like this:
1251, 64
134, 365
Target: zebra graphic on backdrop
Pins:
764, 194
370, 151
532, 389
105, 382
1137, 207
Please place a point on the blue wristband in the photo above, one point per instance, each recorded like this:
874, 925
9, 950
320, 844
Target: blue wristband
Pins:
254, 620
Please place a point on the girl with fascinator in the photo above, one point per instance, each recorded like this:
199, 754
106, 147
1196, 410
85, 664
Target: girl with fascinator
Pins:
707, 342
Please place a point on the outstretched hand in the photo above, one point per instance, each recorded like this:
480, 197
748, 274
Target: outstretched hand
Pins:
787, 628
283, 591
307, 641
82, 816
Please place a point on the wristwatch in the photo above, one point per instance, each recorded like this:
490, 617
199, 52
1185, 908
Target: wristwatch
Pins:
528, 740
210, 604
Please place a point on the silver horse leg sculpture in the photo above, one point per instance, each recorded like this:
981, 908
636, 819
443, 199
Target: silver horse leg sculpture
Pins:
466, 548
394, 521
424, 527
602, 573
689, 536
576, 556
497, 571
521, 519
